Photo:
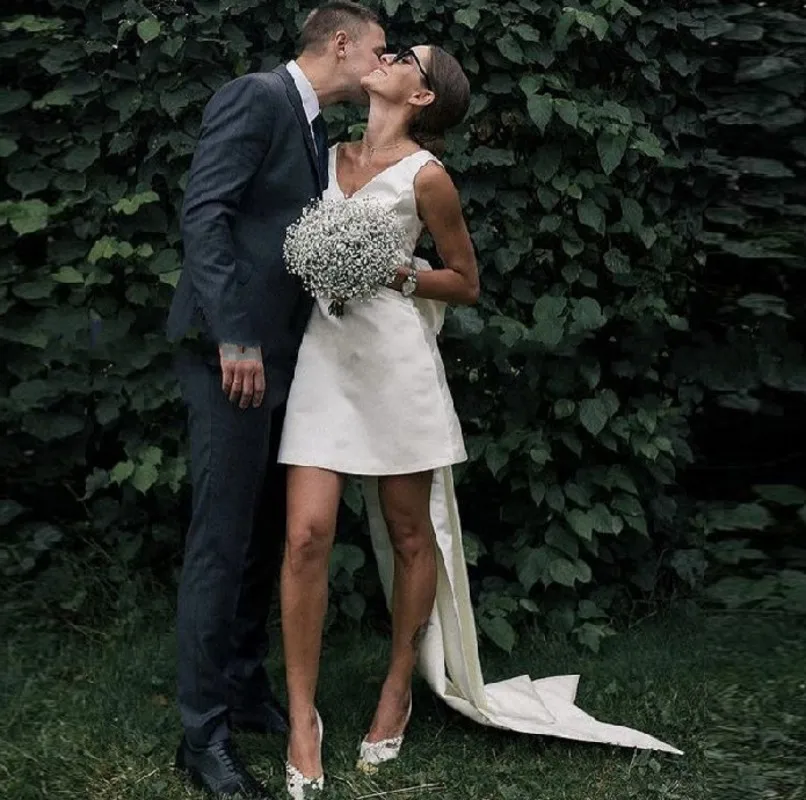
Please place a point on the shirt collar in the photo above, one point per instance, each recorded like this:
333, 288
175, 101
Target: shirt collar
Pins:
310, 102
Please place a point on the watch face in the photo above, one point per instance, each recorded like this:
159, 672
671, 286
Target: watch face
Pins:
409, 285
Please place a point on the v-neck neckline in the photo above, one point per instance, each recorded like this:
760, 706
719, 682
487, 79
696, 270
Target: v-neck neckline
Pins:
371, 180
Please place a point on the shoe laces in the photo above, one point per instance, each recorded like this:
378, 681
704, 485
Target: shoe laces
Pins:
228, 756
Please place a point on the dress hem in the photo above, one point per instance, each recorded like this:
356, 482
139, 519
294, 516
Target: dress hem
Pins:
373, 472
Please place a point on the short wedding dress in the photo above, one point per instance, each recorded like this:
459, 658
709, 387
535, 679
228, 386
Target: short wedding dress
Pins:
370, 398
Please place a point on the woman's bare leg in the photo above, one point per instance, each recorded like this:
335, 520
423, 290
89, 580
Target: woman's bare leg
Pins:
405, 500
313, 501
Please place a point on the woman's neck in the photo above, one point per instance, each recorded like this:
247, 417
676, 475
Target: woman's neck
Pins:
387, 129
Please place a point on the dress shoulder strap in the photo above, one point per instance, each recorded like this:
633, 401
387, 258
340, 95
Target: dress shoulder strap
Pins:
414, 163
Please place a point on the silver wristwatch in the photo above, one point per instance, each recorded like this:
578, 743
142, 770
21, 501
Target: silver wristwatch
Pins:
409, 285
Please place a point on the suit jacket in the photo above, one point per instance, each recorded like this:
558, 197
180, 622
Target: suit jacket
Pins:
254, 170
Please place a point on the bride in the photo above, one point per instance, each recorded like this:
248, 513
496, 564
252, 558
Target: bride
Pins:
370, 399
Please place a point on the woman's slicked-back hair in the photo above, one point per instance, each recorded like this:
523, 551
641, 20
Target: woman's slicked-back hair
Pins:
330, 18
451, 101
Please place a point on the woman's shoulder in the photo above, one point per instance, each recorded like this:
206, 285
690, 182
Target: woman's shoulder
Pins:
431, 173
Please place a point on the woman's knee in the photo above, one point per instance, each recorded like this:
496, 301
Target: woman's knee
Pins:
410, 534
308, 543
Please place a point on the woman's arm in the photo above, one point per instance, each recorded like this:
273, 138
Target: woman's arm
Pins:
440, 209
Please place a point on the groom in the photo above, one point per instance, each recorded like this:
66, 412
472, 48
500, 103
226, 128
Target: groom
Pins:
261, 157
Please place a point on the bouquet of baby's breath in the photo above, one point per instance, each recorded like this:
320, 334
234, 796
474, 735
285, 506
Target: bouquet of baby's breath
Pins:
344, 249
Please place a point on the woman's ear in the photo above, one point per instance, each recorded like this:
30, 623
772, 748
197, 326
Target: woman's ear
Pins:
422, 98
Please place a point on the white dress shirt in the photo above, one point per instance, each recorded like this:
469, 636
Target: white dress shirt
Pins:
310, 102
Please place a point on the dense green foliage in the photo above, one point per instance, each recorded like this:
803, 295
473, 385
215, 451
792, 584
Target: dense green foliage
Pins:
630, 178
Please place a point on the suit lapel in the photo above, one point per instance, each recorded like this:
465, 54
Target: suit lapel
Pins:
296, 102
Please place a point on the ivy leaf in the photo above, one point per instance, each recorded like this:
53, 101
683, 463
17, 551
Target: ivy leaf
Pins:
68, 275
130, 205
567, 111
81, 157
25, 216
527, 33
766, 167
616, 261
9, 511
560, 539
541, 108
764, 68
564, 408
13, 100
353, 605
144, 477
591, 215
593, 415
7, 147
499, 631
555, 498
633, 214
149, 29
28, 182
590, 635
587, 315
580, 523
781, 494
109, 247
690, 565
49, 426
611, 149
532, 567
547, 161
58, 97
497, 457
121, 472
469, 17
511, 49
563, 571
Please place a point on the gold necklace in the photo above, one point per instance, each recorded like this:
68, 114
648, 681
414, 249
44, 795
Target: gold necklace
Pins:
373, 150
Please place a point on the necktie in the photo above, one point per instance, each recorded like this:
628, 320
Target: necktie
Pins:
319, 127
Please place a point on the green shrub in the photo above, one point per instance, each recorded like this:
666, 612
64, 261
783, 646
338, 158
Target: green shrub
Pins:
601, 178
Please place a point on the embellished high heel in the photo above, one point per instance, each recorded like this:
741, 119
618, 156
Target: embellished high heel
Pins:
298, 786
372, 754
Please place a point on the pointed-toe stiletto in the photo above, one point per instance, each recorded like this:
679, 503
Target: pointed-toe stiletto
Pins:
372, 754
297, 785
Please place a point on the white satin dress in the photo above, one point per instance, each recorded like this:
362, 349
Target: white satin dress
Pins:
370, 398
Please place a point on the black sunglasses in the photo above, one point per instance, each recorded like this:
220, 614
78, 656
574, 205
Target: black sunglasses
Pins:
409, 53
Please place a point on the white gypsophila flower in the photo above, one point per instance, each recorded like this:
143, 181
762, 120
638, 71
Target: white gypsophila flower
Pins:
344, 249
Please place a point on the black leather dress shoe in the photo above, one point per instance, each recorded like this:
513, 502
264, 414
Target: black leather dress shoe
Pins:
266, 717
218, 770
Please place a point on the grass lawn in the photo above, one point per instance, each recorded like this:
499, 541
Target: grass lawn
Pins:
90, 714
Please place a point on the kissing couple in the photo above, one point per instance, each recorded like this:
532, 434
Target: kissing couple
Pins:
286, 400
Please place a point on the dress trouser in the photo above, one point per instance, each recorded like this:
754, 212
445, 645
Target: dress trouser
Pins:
232, 552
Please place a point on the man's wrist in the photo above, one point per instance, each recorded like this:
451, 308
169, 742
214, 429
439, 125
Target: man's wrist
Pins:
238, 352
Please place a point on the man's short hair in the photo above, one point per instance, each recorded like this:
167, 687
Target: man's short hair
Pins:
330, 18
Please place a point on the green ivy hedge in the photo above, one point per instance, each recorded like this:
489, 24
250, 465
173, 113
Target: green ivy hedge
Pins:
604, 182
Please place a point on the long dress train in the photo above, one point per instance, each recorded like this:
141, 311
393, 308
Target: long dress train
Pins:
449, 658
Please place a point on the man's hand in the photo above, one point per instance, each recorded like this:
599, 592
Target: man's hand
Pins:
242, 378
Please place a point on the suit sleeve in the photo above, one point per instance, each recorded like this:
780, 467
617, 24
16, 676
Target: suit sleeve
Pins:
235, 136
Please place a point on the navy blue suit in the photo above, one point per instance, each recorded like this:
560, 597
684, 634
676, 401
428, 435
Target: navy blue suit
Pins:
254, 169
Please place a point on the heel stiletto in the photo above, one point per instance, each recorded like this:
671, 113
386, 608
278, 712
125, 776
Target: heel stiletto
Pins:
297, 785
372, 754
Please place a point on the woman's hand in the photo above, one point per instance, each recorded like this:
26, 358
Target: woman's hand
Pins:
400, 278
